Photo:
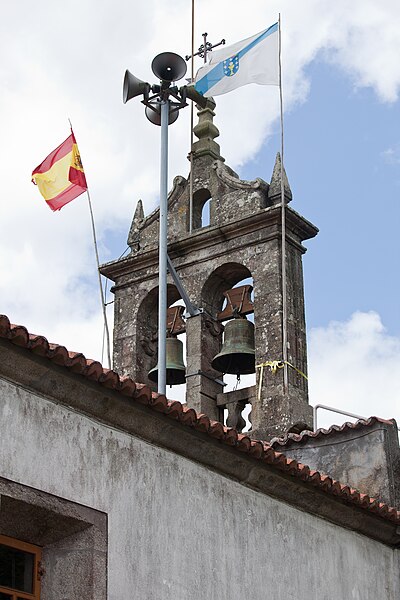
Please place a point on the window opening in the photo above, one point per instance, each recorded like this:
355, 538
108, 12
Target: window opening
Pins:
178, 392
244, 381
201, 208
206, 213
19, 570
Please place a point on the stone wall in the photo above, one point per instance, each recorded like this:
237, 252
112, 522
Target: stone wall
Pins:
242, 240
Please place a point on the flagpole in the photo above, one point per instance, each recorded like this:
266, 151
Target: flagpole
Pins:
103, 302
283, 227
191, 134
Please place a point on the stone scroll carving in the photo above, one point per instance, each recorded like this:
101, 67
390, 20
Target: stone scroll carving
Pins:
229, 178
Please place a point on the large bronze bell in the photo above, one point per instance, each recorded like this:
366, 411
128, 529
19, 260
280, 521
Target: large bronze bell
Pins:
237, 355
175, 365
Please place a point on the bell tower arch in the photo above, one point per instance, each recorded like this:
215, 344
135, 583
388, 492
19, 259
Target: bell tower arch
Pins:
243, 239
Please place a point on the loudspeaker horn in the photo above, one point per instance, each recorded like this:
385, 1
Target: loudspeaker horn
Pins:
194, 95
168, 66
133, 87
154, 115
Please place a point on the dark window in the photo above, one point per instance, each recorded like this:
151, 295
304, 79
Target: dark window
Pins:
19, 563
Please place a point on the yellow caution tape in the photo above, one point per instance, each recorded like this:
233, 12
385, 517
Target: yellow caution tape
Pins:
274, 365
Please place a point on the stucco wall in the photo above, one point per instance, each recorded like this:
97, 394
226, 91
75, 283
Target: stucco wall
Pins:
178, 530
367, 458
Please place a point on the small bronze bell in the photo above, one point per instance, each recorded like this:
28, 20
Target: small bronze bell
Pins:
237, 355
175, 365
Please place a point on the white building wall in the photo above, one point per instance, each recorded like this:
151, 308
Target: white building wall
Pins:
178, 531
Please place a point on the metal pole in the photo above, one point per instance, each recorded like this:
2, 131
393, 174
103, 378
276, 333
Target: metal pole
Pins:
190, 308
102, 294
162, 256
191, 133
283, 244
338, 411
103, 301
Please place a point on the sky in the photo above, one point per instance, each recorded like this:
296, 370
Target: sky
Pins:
341, 83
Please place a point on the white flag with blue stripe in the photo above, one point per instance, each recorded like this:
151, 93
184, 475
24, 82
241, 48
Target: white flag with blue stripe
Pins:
254, 60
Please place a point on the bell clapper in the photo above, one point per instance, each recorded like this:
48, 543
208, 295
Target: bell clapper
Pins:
235, 387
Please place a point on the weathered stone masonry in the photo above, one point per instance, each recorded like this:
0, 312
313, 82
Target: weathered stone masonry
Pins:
242, 240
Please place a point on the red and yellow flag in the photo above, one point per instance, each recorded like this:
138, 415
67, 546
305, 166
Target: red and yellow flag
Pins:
60, 177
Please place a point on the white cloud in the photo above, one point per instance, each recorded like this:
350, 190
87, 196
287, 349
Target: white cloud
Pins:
56, 65
392, 155
353, 366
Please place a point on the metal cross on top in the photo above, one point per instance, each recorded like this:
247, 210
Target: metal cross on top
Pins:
205, 48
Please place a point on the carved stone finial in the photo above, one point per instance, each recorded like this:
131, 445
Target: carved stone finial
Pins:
274, 192
206, 131
134, 234
139, 212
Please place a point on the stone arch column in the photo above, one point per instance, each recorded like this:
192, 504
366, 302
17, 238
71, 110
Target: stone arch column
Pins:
204, 339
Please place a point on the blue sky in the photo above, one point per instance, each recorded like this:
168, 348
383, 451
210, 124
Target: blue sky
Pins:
342, 157
341, 77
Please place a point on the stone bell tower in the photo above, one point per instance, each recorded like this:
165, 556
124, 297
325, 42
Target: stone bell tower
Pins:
241, 240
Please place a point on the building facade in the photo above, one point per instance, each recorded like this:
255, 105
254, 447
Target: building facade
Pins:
131, 496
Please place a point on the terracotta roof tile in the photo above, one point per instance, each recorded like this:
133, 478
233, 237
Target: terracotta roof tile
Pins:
159, 403
231, 436
217, 430
127, 386
202, 423
291, 439
142, 394
244, 442
256, 449
39, 345
259, 450
174, 409
188, 416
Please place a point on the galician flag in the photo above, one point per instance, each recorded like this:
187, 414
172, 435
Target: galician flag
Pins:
254, 60
60, 177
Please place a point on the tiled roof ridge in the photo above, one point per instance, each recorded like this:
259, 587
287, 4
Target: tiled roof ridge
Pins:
141, 393
306, 435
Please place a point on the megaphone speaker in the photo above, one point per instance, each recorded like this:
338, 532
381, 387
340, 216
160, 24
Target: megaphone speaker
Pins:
194, 95
154, 115
133, 87
168, 66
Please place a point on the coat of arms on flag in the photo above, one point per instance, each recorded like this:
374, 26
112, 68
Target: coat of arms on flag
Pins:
60, 177
231, 65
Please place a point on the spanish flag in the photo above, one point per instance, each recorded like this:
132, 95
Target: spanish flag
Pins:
60, 177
